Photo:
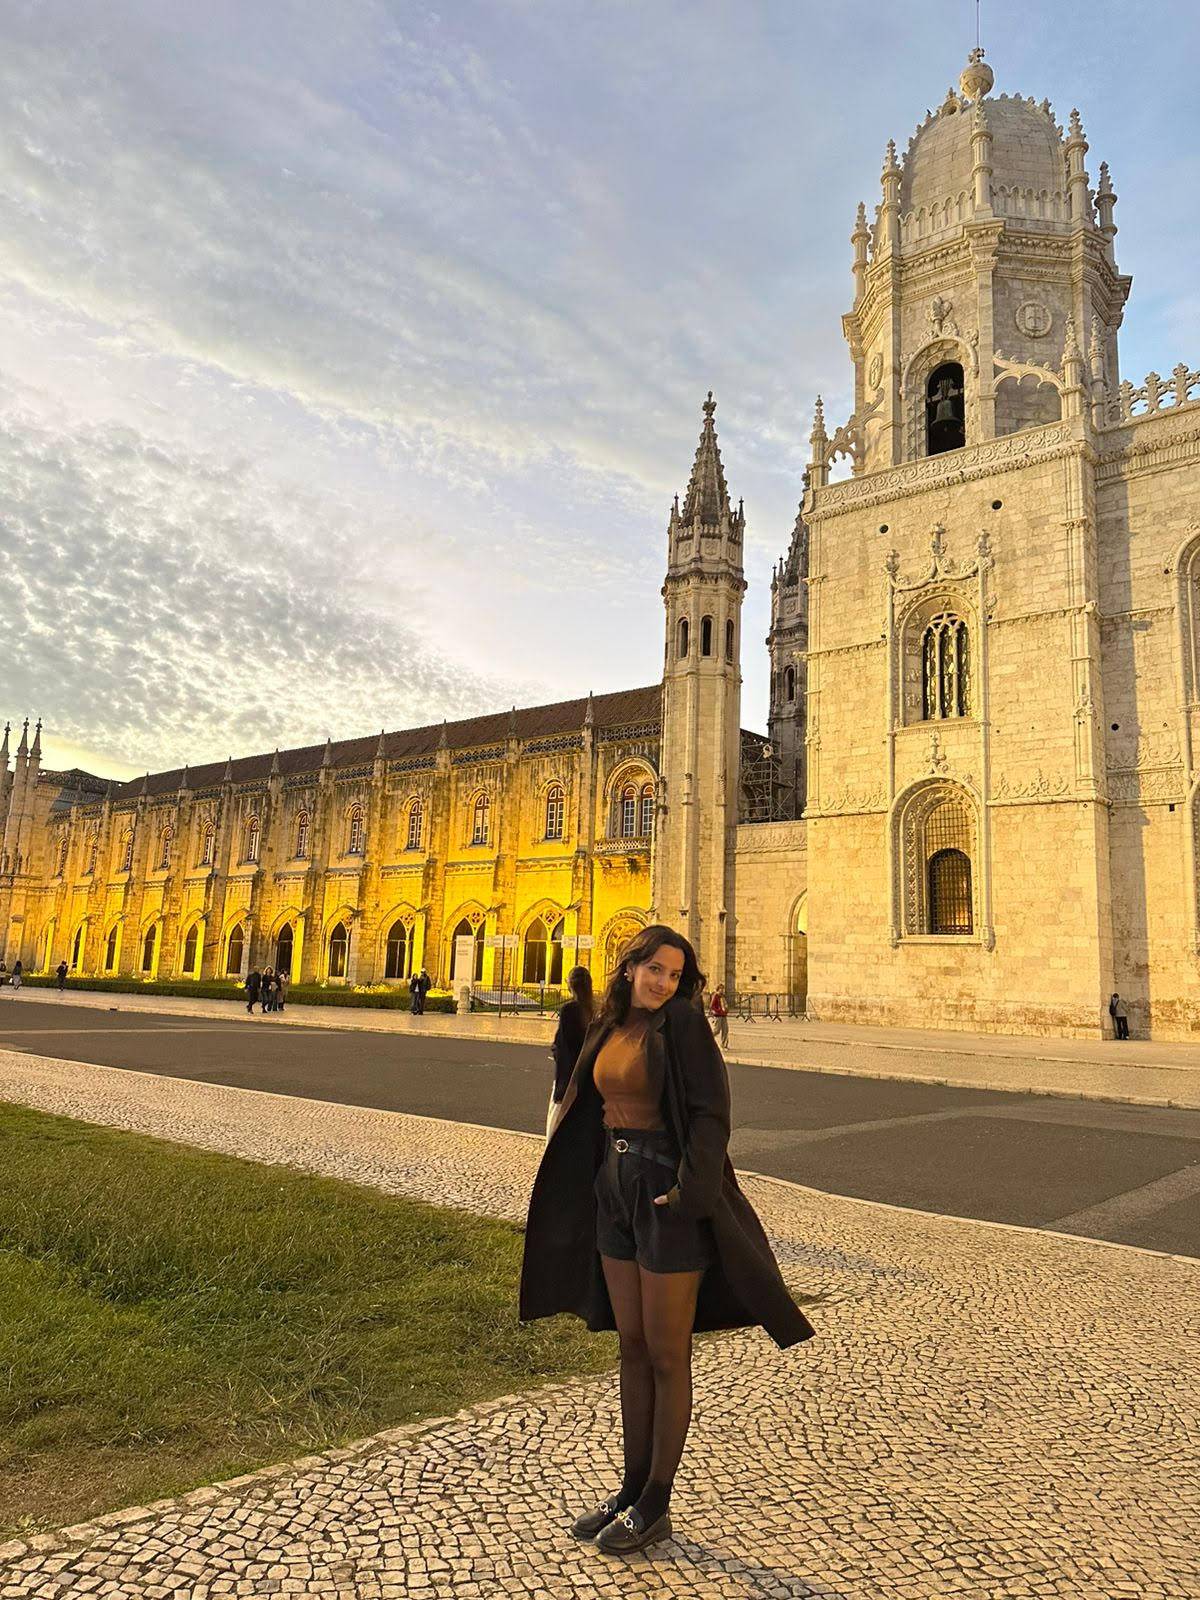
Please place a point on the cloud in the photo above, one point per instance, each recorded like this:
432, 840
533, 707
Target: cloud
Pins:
185, 608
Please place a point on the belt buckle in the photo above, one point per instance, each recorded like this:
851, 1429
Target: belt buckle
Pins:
620, 1146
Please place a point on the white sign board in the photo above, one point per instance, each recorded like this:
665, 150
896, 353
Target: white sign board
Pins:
464, 958
585, 941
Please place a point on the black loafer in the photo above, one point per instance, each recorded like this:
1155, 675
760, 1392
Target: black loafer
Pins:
589, 1525
628, 1532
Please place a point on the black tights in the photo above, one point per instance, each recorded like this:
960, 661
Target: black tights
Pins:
655, 1313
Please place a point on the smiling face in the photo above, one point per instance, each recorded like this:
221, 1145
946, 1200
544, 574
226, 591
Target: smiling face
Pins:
656, 979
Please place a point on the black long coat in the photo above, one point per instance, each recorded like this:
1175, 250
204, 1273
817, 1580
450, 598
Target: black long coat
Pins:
561, 1270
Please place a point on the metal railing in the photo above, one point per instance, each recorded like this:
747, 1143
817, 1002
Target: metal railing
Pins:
521, 999
745, 1007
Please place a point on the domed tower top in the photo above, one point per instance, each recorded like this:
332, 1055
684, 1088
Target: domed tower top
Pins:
989, 252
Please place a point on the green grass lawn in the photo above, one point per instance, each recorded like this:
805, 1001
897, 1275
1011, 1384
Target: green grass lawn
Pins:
170, 1317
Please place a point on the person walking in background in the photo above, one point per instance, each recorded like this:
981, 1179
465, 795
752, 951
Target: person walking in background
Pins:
60, 973
574, 1020
268, 990
1120, 1017
253, 988
720, 1016
282, 979
636, 1221
18, 973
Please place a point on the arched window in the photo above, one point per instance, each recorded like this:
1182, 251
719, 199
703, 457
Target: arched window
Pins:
208, 845
464, 930
77, 945
683, 637
357, 831
480, 820
945, 667
339, 950
415, 819
555, 971
127, 851
706, 632
253, 837
950, 909
191, 951
729, 638
284, 945
149, 943
627, 818
234, 950
556, 802
945, 409
789, 684
647, 809
165, 840
935, 842
302, 827
110, 947
396, 965
62, 855
534, 970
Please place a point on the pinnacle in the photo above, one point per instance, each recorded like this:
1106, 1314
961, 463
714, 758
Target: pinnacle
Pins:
707, 497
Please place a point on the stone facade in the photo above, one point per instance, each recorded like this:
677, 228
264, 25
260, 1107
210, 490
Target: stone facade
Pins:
355, 862
978, 800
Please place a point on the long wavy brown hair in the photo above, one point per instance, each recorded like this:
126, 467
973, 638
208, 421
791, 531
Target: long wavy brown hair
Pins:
619, 992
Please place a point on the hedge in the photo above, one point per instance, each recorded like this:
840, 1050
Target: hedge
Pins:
309, 994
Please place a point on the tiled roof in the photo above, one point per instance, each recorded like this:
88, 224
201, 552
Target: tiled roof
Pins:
529, 722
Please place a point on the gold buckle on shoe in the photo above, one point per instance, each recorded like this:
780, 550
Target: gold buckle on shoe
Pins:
621, 1145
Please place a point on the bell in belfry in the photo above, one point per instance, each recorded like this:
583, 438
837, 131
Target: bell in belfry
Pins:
944, 409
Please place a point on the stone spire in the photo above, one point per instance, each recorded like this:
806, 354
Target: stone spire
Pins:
274, 772
4, 746
706, 502
23, 747
327, 757
227, 775
35, 753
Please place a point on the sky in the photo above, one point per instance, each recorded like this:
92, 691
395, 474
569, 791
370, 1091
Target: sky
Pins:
350, 355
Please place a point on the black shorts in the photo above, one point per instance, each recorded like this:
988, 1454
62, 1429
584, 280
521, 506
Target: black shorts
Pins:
629, 1226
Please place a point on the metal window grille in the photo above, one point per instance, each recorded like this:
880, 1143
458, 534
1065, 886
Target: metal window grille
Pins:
950, 908
414, 826
355, 847
302, 834
208, 847
164, 859
252, 838
647, 812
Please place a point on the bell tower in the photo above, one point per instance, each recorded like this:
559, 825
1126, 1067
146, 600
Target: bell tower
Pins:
988, 269
701, 717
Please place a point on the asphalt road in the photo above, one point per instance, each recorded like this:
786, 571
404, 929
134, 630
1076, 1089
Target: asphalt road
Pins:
1126, 1173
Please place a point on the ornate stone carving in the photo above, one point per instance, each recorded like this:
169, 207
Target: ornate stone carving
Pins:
1039, 786
875, 372
1033, 319
940, 316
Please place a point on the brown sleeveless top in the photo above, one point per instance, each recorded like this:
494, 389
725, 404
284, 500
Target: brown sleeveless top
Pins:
622, 1076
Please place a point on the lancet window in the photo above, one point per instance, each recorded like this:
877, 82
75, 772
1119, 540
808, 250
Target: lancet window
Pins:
415, 819
481, 820
555, 811
945, 667
354, 845
302, 831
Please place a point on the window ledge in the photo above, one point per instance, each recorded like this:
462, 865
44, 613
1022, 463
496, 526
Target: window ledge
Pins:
941, 938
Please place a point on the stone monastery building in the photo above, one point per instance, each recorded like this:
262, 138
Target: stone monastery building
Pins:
978, 804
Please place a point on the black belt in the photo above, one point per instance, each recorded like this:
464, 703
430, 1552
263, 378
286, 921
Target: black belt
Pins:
633, 1147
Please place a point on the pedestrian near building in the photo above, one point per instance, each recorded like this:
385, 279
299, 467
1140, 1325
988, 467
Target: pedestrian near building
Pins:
282, 980
267, 991
60, 973
636, 1221
419, 985
720, 1016
18, 973
1120, 1017
253, 988
574, 1020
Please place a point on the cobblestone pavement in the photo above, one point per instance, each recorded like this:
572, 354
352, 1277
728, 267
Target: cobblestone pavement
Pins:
986, 1412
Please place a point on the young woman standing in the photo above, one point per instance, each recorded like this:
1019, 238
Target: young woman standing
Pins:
636, 1221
